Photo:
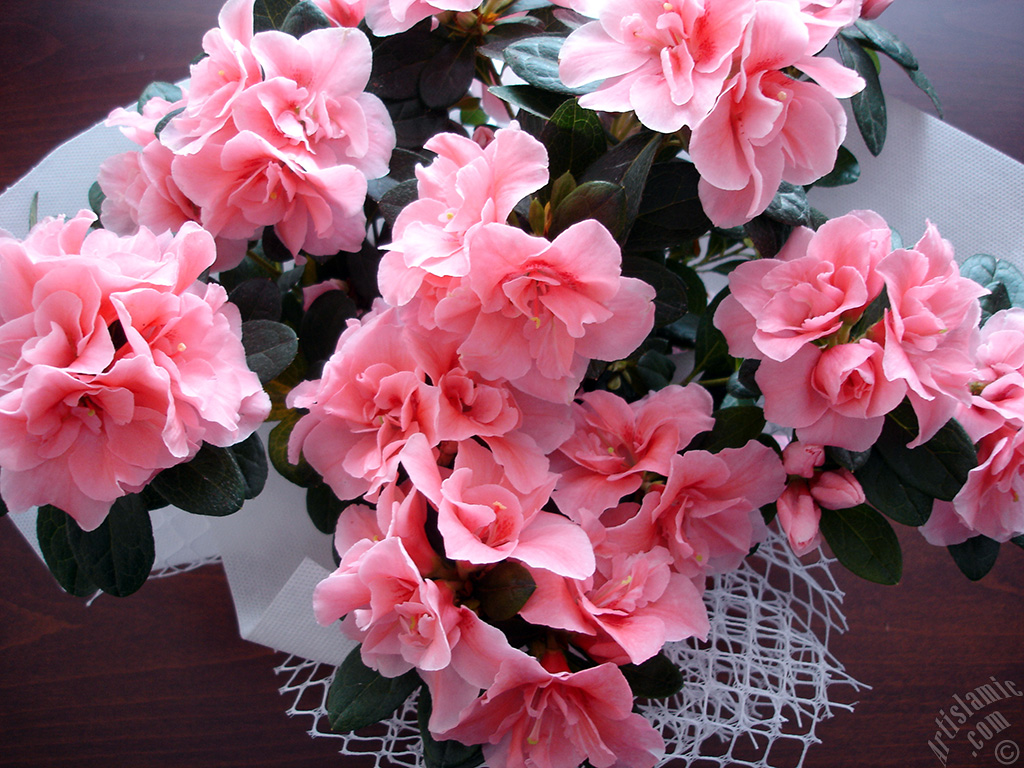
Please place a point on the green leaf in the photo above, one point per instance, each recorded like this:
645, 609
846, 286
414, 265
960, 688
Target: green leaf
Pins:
917, 77
166, 91
975, 557
396, 198
301, 474
628, 164
323, 507
885, 41
845, 171
670, 211
304, 17
864, 542
211, 483
536, 101
1001, 278
535, 60
734, 428
1018, 540
574, 138
711, 350
270, 14
324, 322
449, 75
655, 370
767, 234
96, 198
671, 298
270, 347
257, 298
939, 468
165, 120
893, 498
443, 754
869, 104
599, 200
118, 555
52, 533
504, 589
360, 696
399, 60
251, 458
790, 206
847, 459
656, 678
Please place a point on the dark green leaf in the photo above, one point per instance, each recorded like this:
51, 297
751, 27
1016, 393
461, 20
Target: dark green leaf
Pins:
399, 60
33, 207
600, 200
96, 198
301, 474
574, 138
917, 77
324, 322
628, 164
323, 507
885, 41
166, 91
656, 678
165, 120
118, 555
258, 298
447, 78
272, 246
504, 589
443, 754
767, 235
875, 311
790, 206
304, 17
52, 533
534, 100
847, 459
939, 468
845, 171
975, 557
270, 347
696, 290
270, 14
152, 498
671, 300
734, 428
886, 493
560, 189
993, 274
655, 370
360, 696
251, 458
746, 382
670, 211
535, 60
864, 542
1018, 540
211, 483
869, 104
396, 198
710, 348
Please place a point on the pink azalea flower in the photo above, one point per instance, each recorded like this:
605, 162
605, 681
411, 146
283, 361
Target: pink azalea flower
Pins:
535, 312
616, 442
668, 62
990, 501
872, 9
116, 364
370, 400
820, 282
930, 329
945, 526
530, 716
342, 12
389, 17
799, 517
997, 383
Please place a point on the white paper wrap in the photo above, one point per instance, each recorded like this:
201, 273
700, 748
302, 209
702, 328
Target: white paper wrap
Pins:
768, 670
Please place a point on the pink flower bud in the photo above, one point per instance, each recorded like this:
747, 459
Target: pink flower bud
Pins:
837, 490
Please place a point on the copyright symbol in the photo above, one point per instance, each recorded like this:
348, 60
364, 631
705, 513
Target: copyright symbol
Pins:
1007, 752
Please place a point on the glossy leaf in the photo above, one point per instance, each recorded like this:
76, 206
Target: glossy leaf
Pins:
536, 101
670, 211
656, 678
535, 60
166, 91
670, 301
304, 17
889, 495
447, 78
868, 105
211, 483
1004, 281
885, 41
574, 138
52, 534
162, 123
301, 474
790, 206
655, 370
270, 14
270, 347
360, 696
845, 171
599, 200
864, 542
251, 457
711, 351
323, 507
447, 753
504, 589
734, 427
396, 198
257, 299
628, 164
399, 61
118, 555
918, 78
323, 323
975, 557
33, 206
767, 235
939, 468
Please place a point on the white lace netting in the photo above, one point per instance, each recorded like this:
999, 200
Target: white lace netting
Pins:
765, 676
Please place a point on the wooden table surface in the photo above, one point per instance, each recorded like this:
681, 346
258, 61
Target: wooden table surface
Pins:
162, 678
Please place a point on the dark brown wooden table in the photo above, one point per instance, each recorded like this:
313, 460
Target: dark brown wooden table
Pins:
162, 678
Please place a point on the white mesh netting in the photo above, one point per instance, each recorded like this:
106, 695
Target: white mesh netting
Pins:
765, 676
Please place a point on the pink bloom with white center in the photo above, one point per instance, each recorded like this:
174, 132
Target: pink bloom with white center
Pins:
532, 717
820, 282
467, 186
247, 183
535, 312
930, 329
616, 442
836, 396
668, 62
115, 364
483, 519
371, 398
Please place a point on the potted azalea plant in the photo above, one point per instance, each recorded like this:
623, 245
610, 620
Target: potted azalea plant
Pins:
546, 327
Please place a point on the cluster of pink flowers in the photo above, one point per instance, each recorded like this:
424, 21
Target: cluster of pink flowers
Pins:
451, 408
272, 131
116, 363
722, 69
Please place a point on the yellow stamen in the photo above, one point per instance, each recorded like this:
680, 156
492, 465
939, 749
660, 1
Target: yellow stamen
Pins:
536, 322
498, 505
182, 347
